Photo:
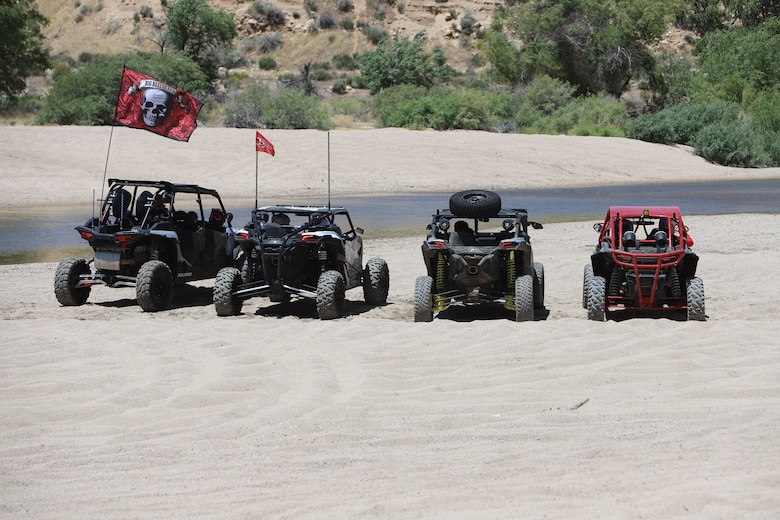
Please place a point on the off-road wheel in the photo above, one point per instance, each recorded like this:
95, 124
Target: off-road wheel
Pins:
423, 300
225, 284
696, 300
376, 282
154, 286
538, 285
586, 279
524, 298
65, 279
597, 299
475, 203
330, 295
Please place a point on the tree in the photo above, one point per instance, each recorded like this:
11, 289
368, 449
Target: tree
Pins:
399, 61
596, 46
195, 28
22, 52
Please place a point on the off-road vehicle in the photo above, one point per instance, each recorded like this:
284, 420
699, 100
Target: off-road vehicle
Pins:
150, 235
643, 263
477, 252
308, 252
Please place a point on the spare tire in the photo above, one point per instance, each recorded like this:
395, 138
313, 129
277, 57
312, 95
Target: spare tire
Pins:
475, 203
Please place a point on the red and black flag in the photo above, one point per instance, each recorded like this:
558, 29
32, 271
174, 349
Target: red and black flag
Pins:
149, 104
263, 145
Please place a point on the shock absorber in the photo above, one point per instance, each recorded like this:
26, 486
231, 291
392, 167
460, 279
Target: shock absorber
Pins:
441, 273
511, 278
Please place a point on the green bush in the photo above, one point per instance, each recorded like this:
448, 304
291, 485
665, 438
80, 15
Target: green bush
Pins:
680, 123
87, 96
731, 143
288, 108
266, 63
344, 61
416, 108
272, 12
339, 87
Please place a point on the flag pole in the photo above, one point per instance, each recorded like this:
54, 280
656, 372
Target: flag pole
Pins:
328, 170
256, 172
111, 134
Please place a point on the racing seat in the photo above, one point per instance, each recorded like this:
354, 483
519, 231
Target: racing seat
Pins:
462, 235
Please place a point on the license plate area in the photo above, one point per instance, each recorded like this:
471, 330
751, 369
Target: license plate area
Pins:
107, 260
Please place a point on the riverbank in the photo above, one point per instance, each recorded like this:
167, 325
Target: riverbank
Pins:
110, 412
43, 166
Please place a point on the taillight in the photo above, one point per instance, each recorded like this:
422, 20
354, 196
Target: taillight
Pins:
437, 244
242, 235
125, 238
508, 244
308, 237
86, 235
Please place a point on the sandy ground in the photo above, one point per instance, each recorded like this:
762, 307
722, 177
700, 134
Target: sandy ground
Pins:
110, 412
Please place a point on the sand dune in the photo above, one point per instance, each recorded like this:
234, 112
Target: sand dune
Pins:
110, 412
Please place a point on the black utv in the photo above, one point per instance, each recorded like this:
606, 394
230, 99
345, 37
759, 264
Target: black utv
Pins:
150, 235
308, 252
477, 252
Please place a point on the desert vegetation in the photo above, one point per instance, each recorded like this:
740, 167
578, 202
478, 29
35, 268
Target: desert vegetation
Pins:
578, 67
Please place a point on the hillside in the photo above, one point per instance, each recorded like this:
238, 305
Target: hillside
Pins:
111, 26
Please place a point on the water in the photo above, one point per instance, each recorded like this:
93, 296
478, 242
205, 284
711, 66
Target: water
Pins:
36, 231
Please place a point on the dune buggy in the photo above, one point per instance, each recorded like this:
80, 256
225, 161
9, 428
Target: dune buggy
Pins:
301, 252
643, 263
477, 252
150, 235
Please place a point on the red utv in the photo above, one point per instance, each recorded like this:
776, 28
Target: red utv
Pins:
643, 264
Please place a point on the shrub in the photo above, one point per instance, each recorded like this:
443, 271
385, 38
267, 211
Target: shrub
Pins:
374, 33
272, 12
87, 96
345, 6
326, 22
287, 108
344, 61
680, 123
146, 12
347, 24
731, 143
266, 63
339, 87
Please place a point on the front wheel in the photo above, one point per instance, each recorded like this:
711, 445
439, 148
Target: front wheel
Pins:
330, 295
66, 278
423, 303
696, 300
225, 284
376, 282
154, 286
524, 298
597, 299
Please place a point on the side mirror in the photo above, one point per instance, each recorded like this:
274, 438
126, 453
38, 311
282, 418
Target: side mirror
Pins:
536, 225
359, 230
598, 226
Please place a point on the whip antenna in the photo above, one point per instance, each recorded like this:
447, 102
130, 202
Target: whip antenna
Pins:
328, 171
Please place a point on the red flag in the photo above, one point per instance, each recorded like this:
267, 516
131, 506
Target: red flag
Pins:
149, 104
263, 145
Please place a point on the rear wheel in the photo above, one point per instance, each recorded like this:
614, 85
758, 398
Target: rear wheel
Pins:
597, 300
696, 300
423, 303
538, 285
376, 282
524, 298
586, 279
154, 286
227, 281
330, 295
65, 279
